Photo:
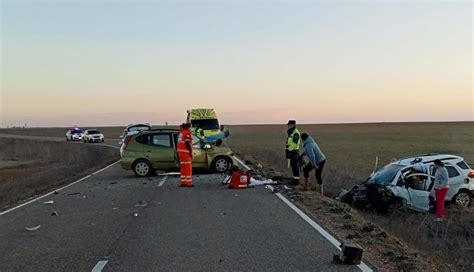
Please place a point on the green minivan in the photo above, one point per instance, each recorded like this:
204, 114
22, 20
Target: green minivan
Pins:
152, 150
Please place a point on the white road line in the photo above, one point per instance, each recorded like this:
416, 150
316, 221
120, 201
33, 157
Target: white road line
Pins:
242, 163
57, 190
162, 181
99, 266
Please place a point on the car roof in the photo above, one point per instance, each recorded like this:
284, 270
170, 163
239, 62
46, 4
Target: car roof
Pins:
427, 158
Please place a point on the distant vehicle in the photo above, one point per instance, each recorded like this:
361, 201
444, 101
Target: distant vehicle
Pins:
410, 182
206, 119
133, 129
92, 136
74, 134
152, 150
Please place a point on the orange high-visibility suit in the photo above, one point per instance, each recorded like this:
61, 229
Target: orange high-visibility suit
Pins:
184, 148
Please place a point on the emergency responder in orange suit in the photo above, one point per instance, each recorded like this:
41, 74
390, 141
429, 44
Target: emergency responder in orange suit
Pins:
185, 155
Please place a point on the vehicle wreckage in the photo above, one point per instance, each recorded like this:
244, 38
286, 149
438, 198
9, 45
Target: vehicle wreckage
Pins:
409, 182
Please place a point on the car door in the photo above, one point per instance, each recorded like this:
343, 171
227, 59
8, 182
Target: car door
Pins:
199, 154
419, 193
160, 151
456, 180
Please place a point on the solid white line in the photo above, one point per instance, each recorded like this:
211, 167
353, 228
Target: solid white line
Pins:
362, 266
242, 163
99, 266
162, 181
57, 190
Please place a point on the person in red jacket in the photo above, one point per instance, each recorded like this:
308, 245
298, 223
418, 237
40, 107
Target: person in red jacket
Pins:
185, 155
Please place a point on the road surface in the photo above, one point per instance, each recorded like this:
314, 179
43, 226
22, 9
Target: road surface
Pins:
113, 221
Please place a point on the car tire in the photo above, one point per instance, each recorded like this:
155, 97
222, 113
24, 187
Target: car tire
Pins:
142, 168
67, 140
221, 164
462, 199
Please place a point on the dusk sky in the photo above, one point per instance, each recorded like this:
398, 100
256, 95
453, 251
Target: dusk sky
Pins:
106, 63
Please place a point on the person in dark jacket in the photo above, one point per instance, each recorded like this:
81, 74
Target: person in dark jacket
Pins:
315, 160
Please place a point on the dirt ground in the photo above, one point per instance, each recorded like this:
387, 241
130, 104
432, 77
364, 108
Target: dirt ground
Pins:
30, 167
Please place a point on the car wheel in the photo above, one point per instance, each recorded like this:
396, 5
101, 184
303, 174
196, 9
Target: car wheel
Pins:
462, 199
221, 164
67, 140
142, 168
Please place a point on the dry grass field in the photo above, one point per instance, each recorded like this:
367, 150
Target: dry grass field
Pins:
30, 167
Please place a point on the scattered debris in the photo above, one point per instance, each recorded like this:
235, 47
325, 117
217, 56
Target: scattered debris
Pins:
33, 228
71, 194
287, 188
56, 192
227, 180
113, 182
236, 195
135, 214
55, 213
141, 203
115, 208
84, 196
223, 214
170, 174
51, 202
159, 203
351, 254
255, 182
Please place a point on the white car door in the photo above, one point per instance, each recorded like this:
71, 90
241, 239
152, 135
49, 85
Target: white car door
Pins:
415, 196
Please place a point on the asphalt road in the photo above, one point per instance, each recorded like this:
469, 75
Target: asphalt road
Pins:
205, 228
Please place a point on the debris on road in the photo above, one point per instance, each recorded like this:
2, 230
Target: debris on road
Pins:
56, 192
33, 228
115, 208
226, 180
141, 203
135, 214
236, 195
113, 182
255, 182
71, 194
351, 254
51, 202
287, 188
55, 213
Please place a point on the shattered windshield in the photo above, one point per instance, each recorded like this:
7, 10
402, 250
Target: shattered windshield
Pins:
385, 175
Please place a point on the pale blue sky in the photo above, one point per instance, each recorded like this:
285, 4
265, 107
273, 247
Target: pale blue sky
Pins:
107, 63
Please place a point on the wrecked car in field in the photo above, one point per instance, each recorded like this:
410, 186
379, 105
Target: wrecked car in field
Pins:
409, 182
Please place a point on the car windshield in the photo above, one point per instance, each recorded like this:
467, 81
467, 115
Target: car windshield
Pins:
206, 123
76, 132
385, 175
94, 131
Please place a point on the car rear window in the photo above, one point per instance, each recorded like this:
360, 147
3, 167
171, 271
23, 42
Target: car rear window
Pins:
163, 140
463, 165
452, 172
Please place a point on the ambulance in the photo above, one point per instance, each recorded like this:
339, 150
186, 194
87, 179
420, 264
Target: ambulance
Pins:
206, 119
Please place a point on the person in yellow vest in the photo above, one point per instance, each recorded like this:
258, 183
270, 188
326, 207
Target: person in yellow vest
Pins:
292, 151
198, 131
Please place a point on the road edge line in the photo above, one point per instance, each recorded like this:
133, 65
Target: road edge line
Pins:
57, 190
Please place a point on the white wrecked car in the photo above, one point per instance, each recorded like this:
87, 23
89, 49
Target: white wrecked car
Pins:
410, 182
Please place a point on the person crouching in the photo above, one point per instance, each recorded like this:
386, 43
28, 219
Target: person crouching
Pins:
316, 158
